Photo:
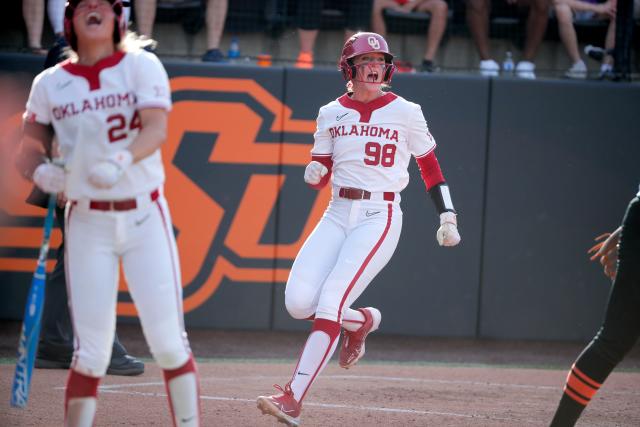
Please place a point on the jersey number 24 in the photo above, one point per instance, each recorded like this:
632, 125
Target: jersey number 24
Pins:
118, 129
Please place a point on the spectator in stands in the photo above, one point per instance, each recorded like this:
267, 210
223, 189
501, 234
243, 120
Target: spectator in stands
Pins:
215, 17
55, 12
478, 21
569, 10
438, 23
605, 55
33, 14
145, 17
309, 14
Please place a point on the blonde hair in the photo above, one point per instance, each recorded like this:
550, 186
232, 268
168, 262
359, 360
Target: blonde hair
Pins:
131, 42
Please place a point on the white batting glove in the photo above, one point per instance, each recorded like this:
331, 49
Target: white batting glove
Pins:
106, 173
49, 178
314, 172
447, 234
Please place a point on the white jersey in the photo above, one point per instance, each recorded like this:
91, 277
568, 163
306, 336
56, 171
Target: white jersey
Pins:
371, 144
94, 113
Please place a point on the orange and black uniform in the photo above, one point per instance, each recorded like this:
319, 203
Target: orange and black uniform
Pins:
619, 331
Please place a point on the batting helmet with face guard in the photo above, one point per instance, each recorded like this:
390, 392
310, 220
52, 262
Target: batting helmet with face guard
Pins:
360, 44
119, 27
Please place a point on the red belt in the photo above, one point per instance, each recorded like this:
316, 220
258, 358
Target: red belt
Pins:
119, 205
358, 194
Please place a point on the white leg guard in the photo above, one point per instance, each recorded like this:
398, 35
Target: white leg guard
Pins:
81, 411
184, 395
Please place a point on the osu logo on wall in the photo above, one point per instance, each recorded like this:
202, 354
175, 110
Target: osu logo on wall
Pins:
228, 173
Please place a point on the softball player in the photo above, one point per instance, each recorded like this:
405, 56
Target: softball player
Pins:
108, 110
619, 254
365, 139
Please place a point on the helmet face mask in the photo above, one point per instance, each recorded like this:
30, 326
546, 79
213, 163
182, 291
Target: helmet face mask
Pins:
360, 44
119, 27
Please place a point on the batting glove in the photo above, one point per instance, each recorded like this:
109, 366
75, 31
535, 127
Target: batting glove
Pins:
447, 234
49, 178
106, 173
314, 172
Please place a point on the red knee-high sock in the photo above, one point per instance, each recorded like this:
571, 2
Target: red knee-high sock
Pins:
316, 353
183, 390
80, 400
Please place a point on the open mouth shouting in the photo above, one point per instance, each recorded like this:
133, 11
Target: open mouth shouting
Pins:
93, 19
372, 77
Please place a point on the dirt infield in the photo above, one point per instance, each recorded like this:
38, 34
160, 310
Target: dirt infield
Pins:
403, 382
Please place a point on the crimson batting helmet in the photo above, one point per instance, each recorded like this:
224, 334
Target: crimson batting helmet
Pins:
119, 28
359, 44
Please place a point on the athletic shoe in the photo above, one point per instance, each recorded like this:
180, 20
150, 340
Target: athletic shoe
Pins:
597, 53
577, 71
213, 55
489, 68
352, 348
282, 406
305, 60
526, 70
44, 363
428, 66
126, 366
606, 72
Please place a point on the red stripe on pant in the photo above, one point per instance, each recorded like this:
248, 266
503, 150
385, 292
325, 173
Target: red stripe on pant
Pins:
366, 260
176, 280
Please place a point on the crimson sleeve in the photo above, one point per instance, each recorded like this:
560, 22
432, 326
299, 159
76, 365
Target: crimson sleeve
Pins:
328, 163
435, 183
430, 170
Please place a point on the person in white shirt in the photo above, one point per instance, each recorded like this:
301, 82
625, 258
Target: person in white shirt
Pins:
107, 107
364, 141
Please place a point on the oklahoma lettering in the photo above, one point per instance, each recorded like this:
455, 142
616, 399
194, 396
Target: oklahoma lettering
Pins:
364, 130
114, 100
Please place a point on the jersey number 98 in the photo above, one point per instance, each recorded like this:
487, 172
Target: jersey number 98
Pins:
384, 155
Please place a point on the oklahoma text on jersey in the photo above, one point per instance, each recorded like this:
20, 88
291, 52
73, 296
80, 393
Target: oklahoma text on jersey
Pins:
71, 109
364, 130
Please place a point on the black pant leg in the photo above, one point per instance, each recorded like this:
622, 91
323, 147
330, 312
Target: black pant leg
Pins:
619, 331
621, 327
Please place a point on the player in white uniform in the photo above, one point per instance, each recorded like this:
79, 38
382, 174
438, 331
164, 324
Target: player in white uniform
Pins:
365, 139
108, 110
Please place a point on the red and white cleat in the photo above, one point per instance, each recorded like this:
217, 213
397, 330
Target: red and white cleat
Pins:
282, 406
352, 348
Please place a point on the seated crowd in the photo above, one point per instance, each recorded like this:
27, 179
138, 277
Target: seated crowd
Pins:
371, 15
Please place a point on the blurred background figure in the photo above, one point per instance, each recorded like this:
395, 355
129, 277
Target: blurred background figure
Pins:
33, 14
478, 20
438, 23
145, 17
216, 15
309, 14
569, 10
